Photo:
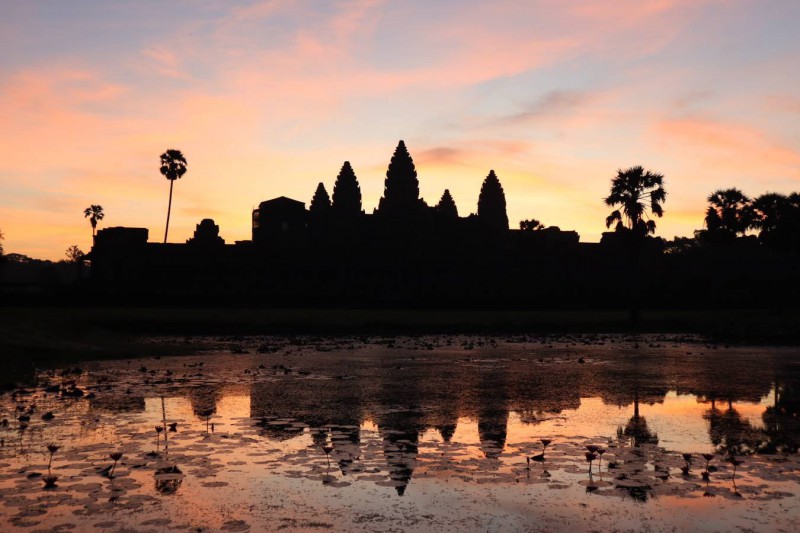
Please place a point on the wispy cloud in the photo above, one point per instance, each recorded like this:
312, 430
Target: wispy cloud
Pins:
732, 146
267, 98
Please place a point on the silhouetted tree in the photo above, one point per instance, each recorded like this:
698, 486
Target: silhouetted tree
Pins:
731, 434
346, 193
173, 167
681, 245
74, 254
729, 213
782, 419
777, 217
447, 206
95, 213
635, 190
401, 188
637, 427
530, 225
1, 244
492, 203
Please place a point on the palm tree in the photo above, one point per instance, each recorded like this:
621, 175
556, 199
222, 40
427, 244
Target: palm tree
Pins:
95, 213
636, 189
729, 212
173, 167
777, 217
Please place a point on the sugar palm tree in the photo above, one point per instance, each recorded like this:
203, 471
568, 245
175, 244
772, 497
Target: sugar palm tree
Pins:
173, 167
94, 213
729, 211
777, 217
635, 190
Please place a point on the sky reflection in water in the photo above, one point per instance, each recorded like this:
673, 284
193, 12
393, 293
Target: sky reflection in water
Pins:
420, 434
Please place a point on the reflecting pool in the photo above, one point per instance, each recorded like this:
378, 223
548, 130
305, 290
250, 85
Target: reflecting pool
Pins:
446, 433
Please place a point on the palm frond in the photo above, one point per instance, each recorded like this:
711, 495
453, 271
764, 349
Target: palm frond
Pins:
615, 216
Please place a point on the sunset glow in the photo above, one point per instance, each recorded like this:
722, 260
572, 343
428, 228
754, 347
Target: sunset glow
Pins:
267, 99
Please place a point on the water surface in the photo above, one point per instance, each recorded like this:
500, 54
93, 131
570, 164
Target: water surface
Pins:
411, 434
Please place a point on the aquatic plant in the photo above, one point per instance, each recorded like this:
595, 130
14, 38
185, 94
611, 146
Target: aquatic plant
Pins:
600, 452
686, 467
328, 449
206, 413
50, 481
52, 448
590, 456
540, 457
735, 462
707, 457
116, 456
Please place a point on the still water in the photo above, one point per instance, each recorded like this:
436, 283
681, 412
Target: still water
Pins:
577, 433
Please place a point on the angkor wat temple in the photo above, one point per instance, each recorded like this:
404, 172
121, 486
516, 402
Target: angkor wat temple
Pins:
404, 252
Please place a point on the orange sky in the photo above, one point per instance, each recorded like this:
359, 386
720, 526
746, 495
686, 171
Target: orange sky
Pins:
269, 98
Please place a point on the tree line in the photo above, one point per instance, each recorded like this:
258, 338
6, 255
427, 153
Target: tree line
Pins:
771, 219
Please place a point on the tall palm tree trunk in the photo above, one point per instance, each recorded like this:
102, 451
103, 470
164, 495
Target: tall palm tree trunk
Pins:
169, 209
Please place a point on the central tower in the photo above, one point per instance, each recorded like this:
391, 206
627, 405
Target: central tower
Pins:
401, 188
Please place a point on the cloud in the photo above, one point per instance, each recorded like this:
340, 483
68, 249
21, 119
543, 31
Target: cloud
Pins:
164, 62
730, 145
475, 152
441, 155
268, 98
554, 103
783, 104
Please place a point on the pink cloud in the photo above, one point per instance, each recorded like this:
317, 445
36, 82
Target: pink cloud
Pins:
731, 145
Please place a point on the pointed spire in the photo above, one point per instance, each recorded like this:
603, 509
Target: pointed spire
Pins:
401, 188
492, 203
347, 192
447, 206
321, 203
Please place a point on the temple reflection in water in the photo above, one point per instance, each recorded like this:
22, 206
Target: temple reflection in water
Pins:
390, 405
405, 403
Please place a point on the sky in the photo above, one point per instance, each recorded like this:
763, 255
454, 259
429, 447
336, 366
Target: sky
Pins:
269, 98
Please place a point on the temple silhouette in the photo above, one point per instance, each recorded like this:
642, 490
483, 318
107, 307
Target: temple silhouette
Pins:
407, 252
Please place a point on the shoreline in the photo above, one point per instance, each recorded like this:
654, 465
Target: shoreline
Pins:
38, 329
35, 337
